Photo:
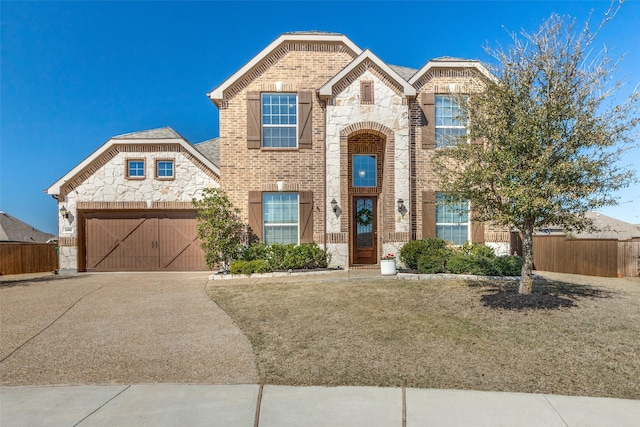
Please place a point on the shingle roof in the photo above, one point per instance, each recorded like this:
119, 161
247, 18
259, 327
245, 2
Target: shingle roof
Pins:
405, 72
610, 228
159, 133
14, 230
210, 149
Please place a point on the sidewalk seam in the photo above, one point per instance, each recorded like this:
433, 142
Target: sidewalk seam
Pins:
554, 408
103, 405
404, 406
258, 404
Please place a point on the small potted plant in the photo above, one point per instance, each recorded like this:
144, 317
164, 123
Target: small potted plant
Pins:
388, 265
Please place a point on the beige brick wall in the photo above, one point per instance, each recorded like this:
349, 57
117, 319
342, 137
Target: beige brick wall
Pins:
439, 81
304, 67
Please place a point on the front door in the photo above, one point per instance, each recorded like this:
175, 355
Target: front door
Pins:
365, 231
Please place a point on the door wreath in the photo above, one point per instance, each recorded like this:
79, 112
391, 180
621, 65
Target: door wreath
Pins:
364, 217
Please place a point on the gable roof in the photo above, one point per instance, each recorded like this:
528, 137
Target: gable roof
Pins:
210, 149
407, 89
448, 61
165, 135
159, 133
217, 94
14, 230
610, 228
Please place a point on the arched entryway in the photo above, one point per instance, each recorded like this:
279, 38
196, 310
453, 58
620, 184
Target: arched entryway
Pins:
367, 154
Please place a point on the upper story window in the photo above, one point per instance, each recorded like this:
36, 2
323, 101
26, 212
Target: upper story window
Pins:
164, 169
448, 126
279, 120
135, 168
280, 218
364, 170
452, 220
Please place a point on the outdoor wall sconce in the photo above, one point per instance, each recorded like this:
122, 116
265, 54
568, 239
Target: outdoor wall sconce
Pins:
334, 205
64, 212
401, 207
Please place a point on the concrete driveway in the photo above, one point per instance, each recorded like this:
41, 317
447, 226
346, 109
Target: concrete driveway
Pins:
119, 328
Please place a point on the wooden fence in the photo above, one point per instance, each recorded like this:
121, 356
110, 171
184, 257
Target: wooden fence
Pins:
591, 257
19, 258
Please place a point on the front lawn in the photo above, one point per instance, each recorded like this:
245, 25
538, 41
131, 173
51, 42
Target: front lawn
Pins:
442, 334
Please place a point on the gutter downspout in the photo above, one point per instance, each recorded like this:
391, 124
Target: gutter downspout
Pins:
323, 106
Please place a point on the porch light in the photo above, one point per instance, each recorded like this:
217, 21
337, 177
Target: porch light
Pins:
334, 205
401, 206
64, 212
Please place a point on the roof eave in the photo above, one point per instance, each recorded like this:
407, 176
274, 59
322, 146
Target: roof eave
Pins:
327, 89
54, 189
452, 64
217, 94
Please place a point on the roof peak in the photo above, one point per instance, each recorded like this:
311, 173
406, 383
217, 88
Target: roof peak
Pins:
158, 133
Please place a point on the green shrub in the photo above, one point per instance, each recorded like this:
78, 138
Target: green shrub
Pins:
476, 250
508, 265
287, 257
434, 262
411, 252
249, 267
462, 263
256, 251
238, 267
259, 266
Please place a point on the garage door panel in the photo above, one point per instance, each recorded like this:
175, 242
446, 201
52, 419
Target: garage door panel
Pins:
129, 241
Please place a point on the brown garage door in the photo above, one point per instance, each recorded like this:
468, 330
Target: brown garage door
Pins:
130, 241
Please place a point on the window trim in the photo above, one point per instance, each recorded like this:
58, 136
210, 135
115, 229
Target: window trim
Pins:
439, 195
173, 169
437, 143
264, 126
264, 222
127, 169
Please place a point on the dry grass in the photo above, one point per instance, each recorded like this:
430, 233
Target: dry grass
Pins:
439, 334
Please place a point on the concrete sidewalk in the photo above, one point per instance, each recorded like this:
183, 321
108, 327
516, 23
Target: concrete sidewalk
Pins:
251, 405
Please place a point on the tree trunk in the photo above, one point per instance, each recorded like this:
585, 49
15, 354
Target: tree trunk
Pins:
526, 279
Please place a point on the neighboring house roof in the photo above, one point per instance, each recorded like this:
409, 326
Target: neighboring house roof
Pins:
210, 149
448, 61
608, 228
327, 89
217, 94
14, 230
165, 135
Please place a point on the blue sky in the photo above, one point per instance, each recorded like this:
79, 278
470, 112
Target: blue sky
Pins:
73, 74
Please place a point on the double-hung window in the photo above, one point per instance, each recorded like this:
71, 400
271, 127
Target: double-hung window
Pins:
279, 120
280, 218
449, 126
452, 220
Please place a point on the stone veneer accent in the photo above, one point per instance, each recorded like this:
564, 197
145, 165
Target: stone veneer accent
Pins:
104, 186
381, 128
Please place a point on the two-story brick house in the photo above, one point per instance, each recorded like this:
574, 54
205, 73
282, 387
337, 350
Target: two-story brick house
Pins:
323, 142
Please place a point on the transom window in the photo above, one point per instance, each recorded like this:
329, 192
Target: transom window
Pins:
452, 220
364, 171
448, 127
135, 168
280, 218
164, 169
279, 120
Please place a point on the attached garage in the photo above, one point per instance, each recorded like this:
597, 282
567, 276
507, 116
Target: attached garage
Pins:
141, 241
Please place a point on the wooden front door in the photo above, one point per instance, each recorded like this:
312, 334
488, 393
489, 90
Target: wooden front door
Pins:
364, 230
130, 241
